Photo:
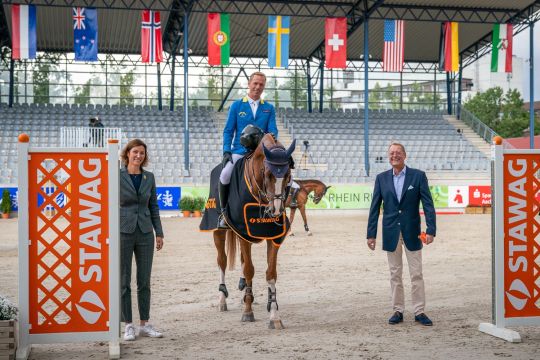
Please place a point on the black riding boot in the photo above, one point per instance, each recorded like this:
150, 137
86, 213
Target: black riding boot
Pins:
294, 192
223, 199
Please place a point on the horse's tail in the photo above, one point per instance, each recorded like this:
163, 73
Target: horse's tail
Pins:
230, 244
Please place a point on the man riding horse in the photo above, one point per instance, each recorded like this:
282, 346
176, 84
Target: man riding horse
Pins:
250, 110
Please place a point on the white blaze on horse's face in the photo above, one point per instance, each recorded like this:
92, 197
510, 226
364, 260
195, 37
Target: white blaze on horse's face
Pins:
277, 198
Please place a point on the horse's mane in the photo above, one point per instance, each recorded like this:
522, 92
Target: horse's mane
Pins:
305, 181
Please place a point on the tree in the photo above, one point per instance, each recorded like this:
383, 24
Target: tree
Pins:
126, 89
375, 97
82, 94
296, 85
45, 65
487, 106
390, 97
504, 113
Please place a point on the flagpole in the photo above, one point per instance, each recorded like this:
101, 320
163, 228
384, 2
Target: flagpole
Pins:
366, 94
309, 101
531, 79
160, 100
186, 91
321, 91
460, 88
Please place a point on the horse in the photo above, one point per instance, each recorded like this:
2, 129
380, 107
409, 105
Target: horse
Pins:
306, 187
267, 176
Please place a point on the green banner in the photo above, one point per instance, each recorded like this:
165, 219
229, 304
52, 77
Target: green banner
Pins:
340, 196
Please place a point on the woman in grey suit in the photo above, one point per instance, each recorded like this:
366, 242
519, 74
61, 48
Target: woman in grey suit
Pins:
139, 218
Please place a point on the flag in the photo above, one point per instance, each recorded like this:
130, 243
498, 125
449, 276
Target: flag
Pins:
151, 42
219, 48
23, 29
335, 43
85, 31
394, 34
501, 48
279, 28
449, 55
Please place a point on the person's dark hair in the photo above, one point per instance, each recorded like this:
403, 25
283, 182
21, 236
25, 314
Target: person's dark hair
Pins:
130, 145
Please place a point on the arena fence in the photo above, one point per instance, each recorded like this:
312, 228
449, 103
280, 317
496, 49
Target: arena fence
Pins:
516, 234
69, 262
78, 137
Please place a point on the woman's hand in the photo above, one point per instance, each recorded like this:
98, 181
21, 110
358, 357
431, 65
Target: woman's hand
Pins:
159, 243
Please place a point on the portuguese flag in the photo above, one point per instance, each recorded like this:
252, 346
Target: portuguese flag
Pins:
218, 39
501, 48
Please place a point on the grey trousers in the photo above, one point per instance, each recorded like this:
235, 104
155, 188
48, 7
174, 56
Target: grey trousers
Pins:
142, 245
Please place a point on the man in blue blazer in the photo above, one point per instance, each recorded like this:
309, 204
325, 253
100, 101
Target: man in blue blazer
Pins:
401, 189
250, 110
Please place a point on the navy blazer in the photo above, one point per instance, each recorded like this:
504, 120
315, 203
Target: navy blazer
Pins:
401, 215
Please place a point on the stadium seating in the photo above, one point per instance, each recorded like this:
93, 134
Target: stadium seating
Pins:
336, 139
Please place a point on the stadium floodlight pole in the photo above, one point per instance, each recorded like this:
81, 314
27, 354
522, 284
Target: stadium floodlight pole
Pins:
186, 90
321, 93
448, 93
366, 94
159, 98
459, 86
531, 82
309, 99
11, 80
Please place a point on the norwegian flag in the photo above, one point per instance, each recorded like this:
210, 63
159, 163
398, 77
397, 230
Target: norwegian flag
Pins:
393, 45
151, 43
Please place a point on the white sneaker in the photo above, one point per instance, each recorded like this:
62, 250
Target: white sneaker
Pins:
150, 331
129, 333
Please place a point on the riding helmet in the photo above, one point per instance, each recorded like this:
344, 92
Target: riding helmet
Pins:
251, 136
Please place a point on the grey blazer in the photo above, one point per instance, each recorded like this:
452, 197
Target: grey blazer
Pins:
139, 208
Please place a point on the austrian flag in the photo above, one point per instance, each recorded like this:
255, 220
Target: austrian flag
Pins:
335, 43
151, 42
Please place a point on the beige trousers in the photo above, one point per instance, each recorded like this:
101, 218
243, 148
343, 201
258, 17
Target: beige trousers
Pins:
395, 262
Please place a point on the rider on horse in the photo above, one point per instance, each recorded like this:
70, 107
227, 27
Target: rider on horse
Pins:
250, 110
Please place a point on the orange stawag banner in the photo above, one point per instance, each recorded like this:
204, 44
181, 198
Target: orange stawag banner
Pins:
521, 236
68, 249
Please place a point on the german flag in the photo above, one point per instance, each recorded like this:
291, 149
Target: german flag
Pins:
449, 54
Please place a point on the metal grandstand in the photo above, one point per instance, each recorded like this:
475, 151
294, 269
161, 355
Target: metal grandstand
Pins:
185, 33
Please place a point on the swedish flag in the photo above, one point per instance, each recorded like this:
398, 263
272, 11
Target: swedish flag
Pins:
278, 41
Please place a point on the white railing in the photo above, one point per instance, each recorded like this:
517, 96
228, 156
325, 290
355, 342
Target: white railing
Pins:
88, 136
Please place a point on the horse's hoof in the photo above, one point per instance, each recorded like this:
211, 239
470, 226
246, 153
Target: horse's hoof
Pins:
223, 307
309, 233
276, 325
248, 317
242, 284
291, 234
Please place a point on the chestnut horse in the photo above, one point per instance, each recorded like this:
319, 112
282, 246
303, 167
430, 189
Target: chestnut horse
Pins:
306, 187
267, 180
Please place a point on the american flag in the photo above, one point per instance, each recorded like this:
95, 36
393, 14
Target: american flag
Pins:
393, 45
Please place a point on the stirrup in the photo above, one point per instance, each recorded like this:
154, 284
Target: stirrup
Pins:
222, 224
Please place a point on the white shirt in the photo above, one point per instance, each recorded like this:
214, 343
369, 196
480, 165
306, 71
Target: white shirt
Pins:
254, 104
399, 179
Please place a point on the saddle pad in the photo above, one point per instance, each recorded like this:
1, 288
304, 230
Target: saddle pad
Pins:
246, 217
212, 210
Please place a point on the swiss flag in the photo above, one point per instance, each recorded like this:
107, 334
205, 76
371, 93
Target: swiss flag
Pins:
335, 43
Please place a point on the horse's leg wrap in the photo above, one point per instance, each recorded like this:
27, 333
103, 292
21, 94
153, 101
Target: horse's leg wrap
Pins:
242, 284
306, 227
272, 298
223, 289
249, 293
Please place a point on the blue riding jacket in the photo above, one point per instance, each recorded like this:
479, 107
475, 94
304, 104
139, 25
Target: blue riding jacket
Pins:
240, 116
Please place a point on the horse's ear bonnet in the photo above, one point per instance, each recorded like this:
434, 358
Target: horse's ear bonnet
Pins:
251, 137
277, 159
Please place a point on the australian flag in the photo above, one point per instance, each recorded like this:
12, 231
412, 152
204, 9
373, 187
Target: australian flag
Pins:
85, 31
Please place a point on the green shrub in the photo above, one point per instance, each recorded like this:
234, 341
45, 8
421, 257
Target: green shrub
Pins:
8, 311
5, 206
187, 203
200, 203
